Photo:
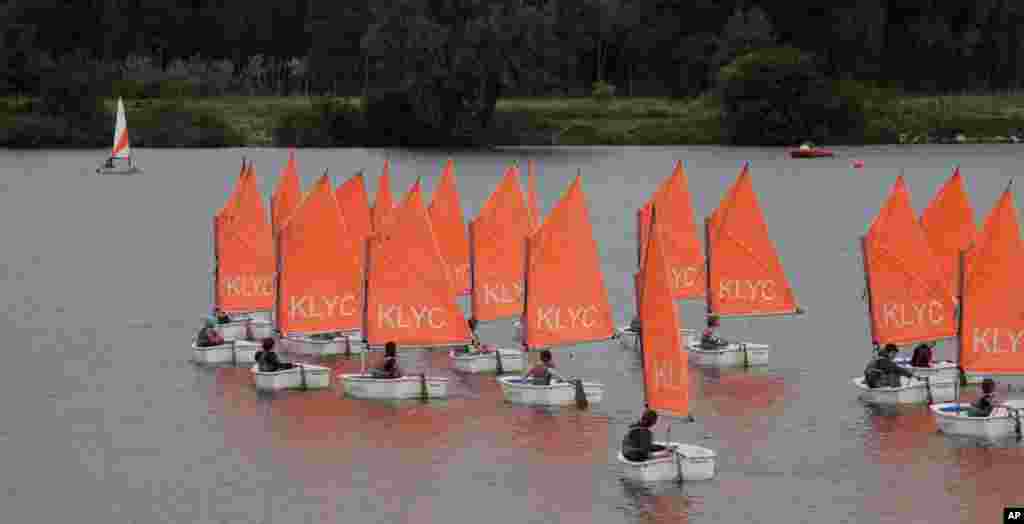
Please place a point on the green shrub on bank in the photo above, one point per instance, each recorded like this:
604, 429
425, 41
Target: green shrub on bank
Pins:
780, 96
324, 123
174, 124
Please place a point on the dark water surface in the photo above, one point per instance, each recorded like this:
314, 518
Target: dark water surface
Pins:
104, 419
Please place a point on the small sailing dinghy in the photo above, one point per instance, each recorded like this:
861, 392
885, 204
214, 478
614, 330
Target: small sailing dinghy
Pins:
991, 325
410, 300
948, 224
497, 238
565, 299
120, 161
319, 290
744, 275
244, 262
665, 369
682, 247
909, 301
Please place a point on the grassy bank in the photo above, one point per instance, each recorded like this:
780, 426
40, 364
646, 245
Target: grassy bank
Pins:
250, 120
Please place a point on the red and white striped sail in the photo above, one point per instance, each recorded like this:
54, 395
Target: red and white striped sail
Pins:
122, 148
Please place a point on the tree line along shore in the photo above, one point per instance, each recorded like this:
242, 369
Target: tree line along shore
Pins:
303, 121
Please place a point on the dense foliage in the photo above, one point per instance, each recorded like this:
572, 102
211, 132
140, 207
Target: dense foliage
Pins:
452, 59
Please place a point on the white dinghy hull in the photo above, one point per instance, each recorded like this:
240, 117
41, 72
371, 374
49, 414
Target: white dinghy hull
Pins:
304, 345
317, 377
628, 337
128, 170
237, 330
556, 394
735, 354
911, 391
942, 370
692, 462
511, 360
999, 425
238, 351
367, 387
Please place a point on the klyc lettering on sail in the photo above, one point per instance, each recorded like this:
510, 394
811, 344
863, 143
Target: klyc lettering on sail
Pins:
992, 333
908, 297
248, 286
498, 240
756, 291
321, 268
566, 300
501, 293
392, 316
745, 273
996, 340
322, 307
561, 318
913, 314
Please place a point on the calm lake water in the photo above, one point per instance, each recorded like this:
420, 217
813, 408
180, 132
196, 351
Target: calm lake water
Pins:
105, 419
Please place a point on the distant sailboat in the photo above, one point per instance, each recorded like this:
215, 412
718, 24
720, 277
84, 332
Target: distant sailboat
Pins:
121, 150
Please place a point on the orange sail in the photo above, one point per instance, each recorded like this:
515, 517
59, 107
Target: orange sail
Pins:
682, 248
286, 195
410, 299
321, 278
643, 227
450, 228
745, 275
666, 374
383, 207
948, 223
992, 330
531, 197
566, 299
355, 207
713, 218
909, 300
245, 251
498, 252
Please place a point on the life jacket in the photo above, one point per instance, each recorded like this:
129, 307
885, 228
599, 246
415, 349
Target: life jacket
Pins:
872, 374
632, 445
540, 375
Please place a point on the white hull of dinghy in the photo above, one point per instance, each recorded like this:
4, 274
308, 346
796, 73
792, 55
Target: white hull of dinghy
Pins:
304, 345
953, 421
628, 337
735, 354
317, 377
511, 360
942, 370
557, 394
238, 351
236, 330
694, 463
365, 386
911, 391
131, 170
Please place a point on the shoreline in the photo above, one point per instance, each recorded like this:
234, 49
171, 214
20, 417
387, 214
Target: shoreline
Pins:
252, 121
